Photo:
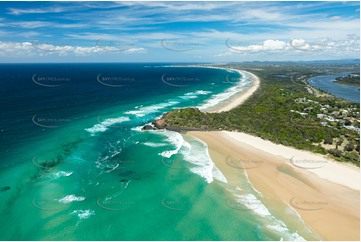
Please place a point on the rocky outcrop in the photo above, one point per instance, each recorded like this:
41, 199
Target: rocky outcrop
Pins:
149, 127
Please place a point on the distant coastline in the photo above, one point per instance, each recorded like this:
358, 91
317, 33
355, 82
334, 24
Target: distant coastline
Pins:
240, 97
236, 99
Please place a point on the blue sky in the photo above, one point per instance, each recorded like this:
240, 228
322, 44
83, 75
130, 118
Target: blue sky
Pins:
166, 31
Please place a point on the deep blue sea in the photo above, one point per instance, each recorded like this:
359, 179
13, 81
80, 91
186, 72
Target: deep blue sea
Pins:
326, 83
75, 164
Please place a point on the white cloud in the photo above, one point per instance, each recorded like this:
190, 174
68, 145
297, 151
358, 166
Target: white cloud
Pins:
335, 18
273, 45
300, 44
135, 50
325, 46
17, 11
41, 49
41, 24
267, 45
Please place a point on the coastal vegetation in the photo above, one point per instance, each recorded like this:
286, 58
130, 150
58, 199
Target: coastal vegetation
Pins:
285, 110
352, 79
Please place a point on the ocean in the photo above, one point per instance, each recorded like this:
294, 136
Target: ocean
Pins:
75, 164
325, 83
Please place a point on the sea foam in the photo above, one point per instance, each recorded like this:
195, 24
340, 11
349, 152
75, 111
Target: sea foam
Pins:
71, 198
84, 214
202, 163
176, 140
195, 94
253, 204
103, 126
142, 111
61, 174
218, 98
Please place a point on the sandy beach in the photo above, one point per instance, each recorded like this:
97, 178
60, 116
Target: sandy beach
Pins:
325, 193
239, 97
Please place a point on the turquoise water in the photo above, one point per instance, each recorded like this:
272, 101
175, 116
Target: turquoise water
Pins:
75, 164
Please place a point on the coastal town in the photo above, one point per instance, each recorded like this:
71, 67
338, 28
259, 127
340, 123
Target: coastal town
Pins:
331, 116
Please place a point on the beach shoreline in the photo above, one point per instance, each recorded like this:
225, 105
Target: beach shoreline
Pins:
236, 99
309, 177
329, 209
239, 97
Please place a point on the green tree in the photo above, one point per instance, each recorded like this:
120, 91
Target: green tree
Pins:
336, 153
328, 141
349, 147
